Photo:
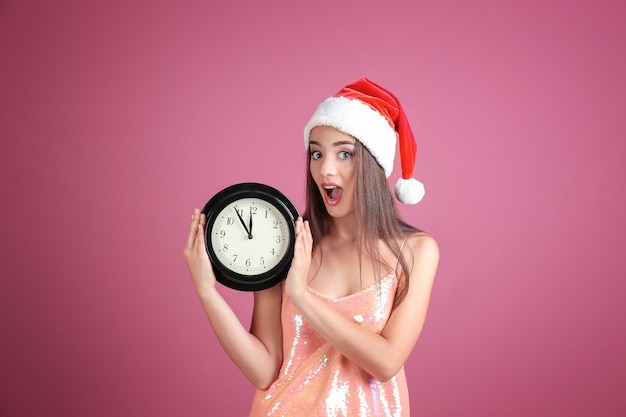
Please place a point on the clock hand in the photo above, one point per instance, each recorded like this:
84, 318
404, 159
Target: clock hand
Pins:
250, 231
243, 223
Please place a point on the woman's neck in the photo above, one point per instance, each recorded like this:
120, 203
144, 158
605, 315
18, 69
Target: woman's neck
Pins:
343, 229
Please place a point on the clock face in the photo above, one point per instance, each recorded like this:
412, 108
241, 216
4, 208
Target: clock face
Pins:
250, 235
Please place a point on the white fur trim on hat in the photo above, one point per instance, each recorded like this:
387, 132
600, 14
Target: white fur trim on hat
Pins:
409, 191
360, 121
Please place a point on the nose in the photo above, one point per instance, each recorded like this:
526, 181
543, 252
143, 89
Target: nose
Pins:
328, 167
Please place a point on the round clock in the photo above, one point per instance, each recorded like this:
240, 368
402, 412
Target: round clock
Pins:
250, 235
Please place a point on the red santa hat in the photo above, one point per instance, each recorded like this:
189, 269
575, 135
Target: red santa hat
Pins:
373, 115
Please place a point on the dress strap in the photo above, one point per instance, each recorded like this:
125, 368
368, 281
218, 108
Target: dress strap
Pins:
399, 254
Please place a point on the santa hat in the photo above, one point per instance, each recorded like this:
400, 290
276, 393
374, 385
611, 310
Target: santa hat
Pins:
373, 115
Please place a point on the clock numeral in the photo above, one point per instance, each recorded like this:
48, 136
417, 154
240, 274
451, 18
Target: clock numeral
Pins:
278, 239
222, 233
235, 257
253, 209
230, 221
225, 248
275, 224
261, 261
248, 262
273, 251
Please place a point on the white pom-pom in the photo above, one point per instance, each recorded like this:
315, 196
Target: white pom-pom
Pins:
409, 191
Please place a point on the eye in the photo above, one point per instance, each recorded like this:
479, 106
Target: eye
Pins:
345, 155
315, 155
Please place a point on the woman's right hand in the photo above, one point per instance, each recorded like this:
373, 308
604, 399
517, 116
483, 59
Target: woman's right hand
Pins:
197, 257
257, 352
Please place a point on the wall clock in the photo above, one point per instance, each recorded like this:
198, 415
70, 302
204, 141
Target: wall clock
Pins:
250, 235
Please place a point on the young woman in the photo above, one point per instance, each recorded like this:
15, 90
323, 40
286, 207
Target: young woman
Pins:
332, 339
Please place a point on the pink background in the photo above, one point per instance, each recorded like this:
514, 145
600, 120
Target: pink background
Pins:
118, 118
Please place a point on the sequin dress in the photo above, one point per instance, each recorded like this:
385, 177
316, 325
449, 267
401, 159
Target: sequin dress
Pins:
316, 380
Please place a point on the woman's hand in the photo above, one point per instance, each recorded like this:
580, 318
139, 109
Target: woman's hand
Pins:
296, 282
197, 257
258, 352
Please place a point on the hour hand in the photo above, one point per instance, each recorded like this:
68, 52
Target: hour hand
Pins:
243, 223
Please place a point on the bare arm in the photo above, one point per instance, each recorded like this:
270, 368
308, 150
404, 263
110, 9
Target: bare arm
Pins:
382, 355
256, 352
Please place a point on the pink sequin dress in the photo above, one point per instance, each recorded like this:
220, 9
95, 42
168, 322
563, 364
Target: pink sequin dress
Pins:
317, 380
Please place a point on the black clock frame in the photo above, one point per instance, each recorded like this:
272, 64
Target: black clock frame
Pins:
269, 278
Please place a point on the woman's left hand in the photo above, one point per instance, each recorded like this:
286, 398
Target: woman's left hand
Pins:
296, 282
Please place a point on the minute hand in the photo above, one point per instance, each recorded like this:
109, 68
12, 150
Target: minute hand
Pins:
243, 223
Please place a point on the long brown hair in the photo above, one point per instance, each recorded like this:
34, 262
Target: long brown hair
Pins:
377, 218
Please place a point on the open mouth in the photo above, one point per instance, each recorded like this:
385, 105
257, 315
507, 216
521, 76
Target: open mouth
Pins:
332, 193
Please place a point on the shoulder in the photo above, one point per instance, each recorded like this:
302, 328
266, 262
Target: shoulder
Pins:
421, 250
420, 242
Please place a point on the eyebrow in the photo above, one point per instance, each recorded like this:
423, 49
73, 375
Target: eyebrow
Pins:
338, 143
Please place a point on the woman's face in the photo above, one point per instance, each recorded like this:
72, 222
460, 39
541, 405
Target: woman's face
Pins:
332, 167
